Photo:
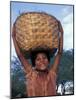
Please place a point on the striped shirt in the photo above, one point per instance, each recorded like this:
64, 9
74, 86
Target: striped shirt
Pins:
40, 83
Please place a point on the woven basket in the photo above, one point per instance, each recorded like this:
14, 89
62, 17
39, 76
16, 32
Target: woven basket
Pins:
35, 29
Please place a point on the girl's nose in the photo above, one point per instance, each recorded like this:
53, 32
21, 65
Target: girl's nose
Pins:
41, 60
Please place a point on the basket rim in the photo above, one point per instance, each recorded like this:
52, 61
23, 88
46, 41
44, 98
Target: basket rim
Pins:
25, 13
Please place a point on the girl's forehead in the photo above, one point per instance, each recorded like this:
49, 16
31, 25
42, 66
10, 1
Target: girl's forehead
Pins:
41, 54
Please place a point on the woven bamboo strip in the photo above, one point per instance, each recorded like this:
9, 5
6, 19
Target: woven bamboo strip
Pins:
36, 29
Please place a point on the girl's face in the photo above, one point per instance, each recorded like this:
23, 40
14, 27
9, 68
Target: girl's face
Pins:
41, 61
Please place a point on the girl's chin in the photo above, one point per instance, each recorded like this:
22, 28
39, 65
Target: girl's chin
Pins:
42, 68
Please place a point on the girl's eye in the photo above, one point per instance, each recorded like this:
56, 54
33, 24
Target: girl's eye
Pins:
44, 57
37, 59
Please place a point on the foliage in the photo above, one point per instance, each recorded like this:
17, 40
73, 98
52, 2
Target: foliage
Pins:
66, 68
17, 79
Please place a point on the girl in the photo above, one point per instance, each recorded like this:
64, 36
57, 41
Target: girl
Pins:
41, 80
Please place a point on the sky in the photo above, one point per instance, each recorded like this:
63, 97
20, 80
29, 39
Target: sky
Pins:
64, 13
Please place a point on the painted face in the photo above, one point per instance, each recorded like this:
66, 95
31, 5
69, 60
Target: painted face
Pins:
41, 61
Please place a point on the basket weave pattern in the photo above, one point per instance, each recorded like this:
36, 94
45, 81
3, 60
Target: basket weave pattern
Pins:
36, 29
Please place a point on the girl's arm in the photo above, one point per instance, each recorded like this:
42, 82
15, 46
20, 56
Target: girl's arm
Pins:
27, 67
60, 49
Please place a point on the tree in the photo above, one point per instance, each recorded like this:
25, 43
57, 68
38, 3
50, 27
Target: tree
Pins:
17, 79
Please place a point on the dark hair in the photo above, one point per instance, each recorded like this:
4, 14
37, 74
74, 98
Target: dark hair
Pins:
34, 55
47, 52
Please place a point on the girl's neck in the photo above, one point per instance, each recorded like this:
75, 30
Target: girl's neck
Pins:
43, 71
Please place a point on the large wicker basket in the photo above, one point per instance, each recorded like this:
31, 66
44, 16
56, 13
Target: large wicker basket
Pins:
35, 29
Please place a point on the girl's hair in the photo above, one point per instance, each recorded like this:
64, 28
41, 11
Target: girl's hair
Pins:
34, 55
49, 53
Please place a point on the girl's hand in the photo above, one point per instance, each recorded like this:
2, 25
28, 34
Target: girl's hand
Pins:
60, 49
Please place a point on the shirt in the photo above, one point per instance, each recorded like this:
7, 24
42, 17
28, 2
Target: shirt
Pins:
40, 83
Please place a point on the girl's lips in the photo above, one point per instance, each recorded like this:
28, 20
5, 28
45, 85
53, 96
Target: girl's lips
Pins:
42, 65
